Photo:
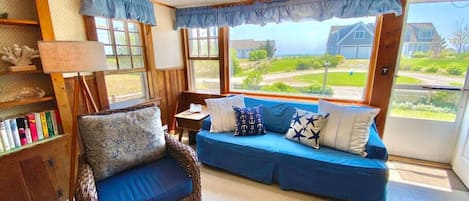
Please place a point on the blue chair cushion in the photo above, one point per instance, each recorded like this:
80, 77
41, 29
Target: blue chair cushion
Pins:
162, 179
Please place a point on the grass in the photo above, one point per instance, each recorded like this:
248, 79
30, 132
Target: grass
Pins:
456, 84
428, 115
347, 79
419, 64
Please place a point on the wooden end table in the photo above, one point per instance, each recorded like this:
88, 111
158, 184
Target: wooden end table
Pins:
192, 122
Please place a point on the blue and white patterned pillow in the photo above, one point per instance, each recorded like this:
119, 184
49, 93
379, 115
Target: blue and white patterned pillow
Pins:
306, 127
249, 121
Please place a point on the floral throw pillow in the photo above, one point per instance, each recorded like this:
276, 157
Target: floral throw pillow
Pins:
249, 121
306, 127
120, 140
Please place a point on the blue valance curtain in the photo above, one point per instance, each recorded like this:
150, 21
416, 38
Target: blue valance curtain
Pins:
278, 11
140, 10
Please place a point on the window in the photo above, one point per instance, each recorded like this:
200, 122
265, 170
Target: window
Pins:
204, 60
426, 34
359, 34
124, 49
312, 59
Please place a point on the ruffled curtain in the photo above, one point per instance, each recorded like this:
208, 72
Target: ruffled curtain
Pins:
140, 10
279, 11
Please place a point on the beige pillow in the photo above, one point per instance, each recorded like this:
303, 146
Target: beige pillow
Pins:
348, 127
118, 141
222, 114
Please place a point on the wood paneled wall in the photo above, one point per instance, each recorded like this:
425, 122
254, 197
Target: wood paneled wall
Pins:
91, 81
170, 84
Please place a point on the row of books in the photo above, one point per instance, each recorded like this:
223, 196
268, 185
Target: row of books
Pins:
23, 130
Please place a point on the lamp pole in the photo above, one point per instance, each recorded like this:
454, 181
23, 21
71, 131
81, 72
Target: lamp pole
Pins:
326, 66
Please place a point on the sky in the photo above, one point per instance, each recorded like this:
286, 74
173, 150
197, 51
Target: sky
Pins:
310, 37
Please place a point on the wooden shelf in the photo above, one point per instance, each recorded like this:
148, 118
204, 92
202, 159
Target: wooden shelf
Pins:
19, 72
24, 147
18, 22
25, 102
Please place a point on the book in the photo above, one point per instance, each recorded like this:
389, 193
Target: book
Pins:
50, 126
59, 121
54, 122
5, 145
11, 141
32, 126
15, 133
45, 130
21, 130
2, 149
27, 130
40, 134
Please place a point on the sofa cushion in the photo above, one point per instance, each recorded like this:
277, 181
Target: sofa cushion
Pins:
278, 114
222, 113
348, 127
306, 127
249, 121
163, 179
117, 141
251, 156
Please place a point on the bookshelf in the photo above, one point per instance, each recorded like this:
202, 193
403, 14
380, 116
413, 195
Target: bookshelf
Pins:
18, 22
44, 162
15, 103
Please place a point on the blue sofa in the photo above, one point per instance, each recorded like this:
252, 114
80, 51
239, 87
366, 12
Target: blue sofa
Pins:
271, 158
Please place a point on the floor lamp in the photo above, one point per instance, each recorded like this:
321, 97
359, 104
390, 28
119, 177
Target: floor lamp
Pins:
74, 57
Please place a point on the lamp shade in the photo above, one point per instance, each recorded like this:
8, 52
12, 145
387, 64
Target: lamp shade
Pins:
72, 56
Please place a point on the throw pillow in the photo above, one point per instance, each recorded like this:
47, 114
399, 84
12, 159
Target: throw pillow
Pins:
348, 127
222, 113
306, 127
115, 141
249, 121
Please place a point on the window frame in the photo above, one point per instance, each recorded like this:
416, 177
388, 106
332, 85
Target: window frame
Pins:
92, 34
187, 58
361, 35
367, 88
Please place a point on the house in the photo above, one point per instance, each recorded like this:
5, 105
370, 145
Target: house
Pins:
323, 128
355, 41
244, 47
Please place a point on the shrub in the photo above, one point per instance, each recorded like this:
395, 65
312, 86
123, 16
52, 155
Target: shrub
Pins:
419, 54
253, 80
257, 55
317, 89
302, 66
279, 87
235, 62
431, 69
416, 67
455, 70
334, 60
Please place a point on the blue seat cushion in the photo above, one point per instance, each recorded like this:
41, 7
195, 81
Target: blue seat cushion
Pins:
162, 179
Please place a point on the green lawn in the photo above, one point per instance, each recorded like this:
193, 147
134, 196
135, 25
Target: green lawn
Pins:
449, 117
346, 79
439, 64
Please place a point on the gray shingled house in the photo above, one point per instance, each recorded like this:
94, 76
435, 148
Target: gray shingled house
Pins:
355, 41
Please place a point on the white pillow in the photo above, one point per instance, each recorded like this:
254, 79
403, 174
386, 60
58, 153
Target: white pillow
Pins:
348, 127
222, 113
306, 127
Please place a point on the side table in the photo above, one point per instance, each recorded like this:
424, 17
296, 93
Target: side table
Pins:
192, 122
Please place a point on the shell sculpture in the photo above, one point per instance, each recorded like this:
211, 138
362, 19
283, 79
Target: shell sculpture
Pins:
19, 56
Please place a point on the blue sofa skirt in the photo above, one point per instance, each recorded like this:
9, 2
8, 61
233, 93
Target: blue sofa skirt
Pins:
162, 179
272, 158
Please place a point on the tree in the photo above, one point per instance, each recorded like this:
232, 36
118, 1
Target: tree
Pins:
257, 55
269, 47
460, 38
234, 61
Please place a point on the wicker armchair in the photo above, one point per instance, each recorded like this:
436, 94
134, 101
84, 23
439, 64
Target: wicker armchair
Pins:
86, 189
